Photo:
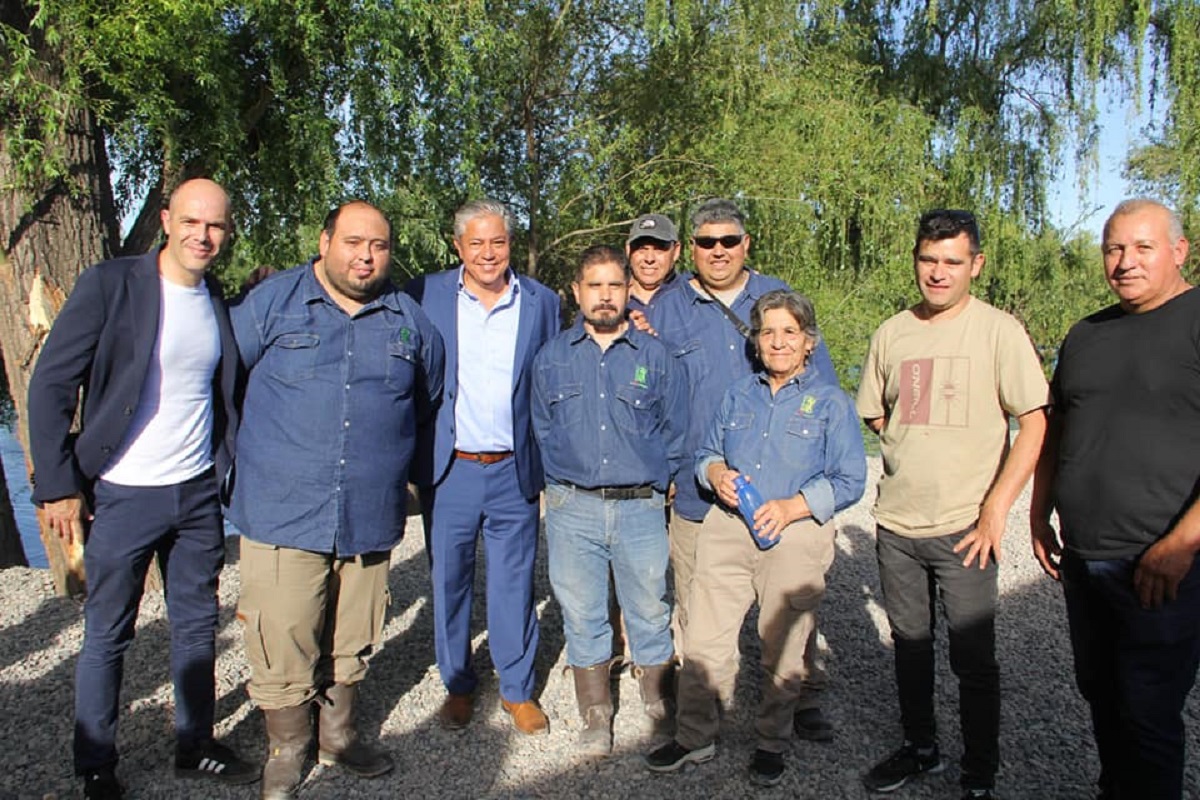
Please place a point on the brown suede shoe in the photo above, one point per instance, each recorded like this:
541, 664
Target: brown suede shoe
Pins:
456, 711
527, 717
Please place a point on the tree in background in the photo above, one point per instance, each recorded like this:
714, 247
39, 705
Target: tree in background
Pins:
834, 122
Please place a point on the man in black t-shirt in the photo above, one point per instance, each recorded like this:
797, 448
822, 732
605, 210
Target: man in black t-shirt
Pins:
1120, 466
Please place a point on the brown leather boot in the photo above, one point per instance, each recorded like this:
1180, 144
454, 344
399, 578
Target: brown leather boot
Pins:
657, 685
338, 741
593, 693
289, 735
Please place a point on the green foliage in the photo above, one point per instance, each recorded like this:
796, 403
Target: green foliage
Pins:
834, 123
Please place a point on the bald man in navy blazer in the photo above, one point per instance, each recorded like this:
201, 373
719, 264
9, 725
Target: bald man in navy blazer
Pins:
478, 466
148, 340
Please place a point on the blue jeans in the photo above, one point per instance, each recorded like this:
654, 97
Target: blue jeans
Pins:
182, 525
914, 573
1135, 667
585, 534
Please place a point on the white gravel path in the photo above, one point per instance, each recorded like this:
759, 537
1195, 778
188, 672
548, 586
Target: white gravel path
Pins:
1046, 744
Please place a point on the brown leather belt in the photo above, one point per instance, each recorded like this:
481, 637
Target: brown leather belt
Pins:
483, 458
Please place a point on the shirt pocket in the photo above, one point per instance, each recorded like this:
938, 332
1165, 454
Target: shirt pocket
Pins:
737, 431
805, 444
692, 356
636, 410
401, 367
294, 356
566, 404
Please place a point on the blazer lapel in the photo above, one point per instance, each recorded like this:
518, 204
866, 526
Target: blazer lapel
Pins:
526, 325
145, 295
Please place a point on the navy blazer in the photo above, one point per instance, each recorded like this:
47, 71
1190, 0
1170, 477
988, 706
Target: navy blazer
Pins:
539, 322
102, 340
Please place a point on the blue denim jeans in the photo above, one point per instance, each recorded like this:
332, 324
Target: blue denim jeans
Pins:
914, 574
585, 535
1135, 668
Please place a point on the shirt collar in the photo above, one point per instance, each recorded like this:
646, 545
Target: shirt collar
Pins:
577, 334
311, 290
799, 382
513, 290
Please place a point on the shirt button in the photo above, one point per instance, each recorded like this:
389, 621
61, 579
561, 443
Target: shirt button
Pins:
349, 352
347, 387
730, 347
342, 461
604, 461
758, 466
602, 395
337, 488
764, 434
603, 427
346, 424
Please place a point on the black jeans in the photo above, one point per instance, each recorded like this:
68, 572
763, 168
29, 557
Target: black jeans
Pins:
1135, 668
914, 573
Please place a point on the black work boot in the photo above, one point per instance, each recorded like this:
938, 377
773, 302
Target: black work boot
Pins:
656, 683
289, 735
593, 693
338, 740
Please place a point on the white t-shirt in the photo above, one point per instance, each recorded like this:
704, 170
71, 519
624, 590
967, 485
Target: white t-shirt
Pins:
169, 439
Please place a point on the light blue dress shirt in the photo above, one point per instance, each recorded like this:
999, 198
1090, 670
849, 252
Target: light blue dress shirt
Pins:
487, 347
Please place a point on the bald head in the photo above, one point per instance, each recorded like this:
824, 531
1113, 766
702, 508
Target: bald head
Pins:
196, 222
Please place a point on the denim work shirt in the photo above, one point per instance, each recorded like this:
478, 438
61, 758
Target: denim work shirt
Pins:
716, 355
329, 420
804, 439
616, 417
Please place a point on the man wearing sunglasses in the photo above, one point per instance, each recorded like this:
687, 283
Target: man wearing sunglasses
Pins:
705, 322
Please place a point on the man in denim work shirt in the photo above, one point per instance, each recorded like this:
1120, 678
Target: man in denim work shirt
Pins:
610, 413
343, 367
716, 352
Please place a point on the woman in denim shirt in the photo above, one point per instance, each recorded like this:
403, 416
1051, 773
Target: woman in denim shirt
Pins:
797, 440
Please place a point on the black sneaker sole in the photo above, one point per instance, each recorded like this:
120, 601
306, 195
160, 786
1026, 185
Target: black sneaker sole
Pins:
232, 779
936, 769
698, 756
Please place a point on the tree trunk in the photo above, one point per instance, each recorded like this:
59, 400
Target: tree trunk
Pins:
50, 230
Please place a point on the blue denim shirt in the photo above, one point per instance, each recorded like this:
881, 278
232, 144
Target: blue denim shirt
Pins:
671, 283
609, 418
804, 439
716, 355
330, 415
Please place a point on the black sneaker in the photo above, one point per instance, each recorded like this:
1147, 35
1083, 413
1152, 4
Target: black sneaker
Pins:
672, 756
907, 762
213, 760
978, 794
101, 784
766, 768
811, 725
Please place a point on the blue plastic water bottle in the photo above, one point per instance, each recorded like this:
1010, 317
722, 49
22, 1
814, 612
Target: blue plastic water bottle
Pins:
748, 502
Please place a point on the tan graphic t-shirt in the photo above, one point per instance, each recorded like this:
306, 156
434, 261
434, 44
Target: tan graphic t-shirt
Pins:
947, 390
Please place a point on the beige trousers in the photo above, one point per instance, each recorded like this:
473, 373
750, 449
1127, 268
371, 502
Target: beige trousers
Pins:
309, 619
682, 535
788, 582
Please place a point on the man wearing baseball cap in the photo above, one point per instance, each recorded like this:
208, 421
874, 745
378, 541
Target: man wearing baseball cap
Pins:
653, 249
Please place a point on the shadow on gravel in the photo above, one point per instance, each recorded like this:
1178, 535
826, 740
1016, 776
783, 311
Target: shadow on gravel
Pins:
1046, 744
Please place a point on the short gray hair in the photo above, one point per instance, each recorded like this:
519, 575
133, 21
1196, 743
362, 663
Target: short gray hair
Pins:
486, 207
716, 211
796, 304
1135, 204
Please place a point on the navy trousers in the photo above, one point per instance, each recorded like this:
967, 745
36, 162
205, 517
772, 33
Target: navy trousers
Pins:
182, 525
1135, 667
473, 500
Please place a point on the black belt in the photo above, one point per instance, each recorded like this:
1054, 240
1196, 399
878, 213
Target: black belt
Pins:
644, 492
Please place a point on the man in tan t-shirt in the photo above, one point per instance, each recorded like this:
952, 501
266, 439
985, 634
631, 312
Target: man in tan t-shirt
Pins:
939, 385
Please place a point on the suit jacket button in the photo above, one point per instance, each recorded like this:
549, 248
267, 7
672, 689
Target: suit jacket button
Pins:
128, 410
105, 449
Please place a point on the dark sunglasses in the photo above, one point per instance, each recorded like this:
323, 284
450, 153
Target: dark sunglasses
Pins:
709, 242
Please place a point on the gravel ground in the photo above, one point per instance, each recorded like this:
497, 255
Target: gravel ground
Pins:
1046, 744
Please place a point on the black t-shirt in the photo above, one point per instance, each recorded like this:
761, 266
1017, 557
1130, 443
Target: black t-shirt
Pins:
1127, 388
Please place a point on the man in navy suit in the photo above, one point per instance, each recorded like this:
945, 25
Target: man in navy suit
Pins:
479, 468
148, 340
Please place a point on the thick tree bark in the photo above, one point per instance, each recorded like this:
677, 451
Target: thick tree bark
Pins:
50, 230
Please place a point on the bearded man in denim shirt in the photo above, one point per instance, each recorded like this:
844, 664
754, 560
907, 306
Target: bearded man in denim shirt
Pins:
610, 414
343, 368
